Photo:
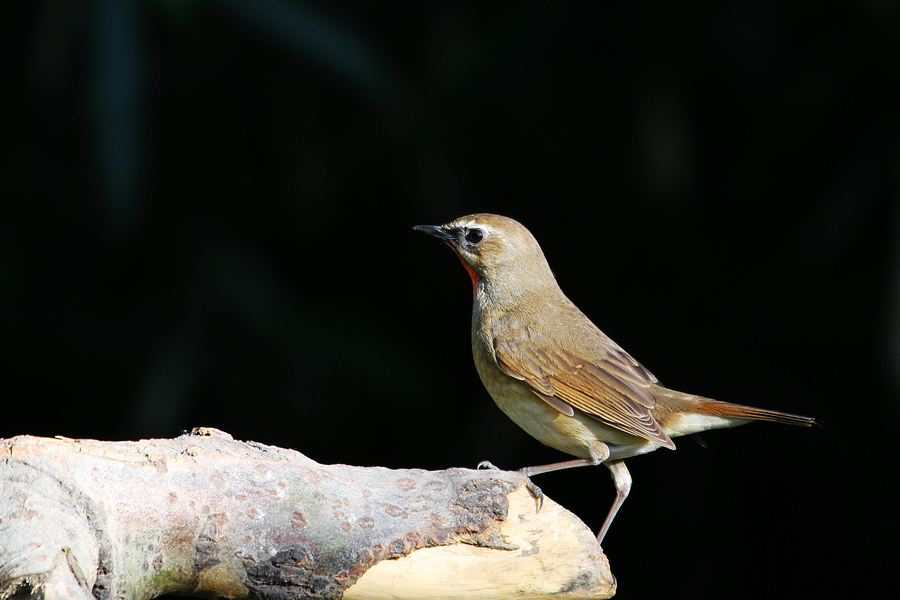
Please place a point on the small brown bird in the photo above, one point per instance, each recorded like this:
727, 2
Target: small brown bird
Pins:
556, 375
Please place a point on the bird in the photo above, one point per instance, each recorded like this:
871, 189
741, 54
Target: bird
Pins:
556, 375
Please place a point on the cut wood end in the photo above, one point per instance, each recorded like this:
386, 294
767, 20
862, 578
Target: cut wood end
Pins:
556, 556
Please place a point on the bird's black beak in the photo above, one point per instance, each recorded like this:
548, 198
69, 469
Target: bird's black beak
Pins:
438, 231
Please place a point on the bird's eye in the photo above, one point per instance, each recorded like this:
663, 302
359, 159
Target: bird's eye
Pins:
474, 236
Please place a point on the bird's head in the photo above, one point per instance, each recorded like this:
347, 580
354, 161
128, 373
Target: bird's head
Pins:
495, 250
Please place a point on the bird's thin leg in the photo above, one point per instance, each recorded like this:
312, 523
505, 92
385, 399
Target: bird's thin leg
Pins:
569, 464
529, 471
622, 480
599, 453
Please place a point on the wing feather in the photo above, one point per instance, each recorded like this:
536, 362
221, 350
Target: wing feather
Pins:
612, 387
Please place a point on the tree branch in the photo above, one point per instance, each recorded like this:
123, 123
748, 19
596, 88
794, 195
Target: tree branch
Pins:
205, 515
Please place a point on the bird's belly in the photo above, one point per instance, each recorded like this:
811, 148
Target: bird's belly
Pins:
579, 435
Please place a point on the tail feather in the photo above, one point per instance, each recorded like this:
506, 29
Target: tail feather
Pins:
738, 411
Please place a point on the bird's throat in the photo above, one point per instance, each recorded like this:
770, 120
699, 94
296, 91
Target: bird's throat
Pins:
471, 273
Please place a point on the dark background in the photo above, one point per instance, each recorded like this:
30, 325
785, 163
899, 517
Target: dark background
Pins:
207, 211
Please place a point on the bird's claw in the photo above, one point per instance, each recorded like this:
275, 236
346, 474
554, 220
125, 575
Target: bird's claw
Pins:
486, 464
535, 491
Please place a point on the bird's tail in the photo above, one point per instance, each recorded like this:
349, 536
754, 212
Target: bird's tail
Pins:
717, 408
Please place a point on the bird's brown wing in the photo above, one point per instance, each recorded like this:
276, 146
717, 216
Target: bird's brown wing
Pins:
612, 387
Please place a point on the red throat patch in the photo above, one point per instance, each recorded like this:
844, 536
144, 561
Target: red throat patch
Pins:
469, 270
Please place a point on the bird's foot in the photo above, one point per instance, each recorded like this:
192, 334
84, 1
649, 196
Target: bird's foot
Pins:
535, 490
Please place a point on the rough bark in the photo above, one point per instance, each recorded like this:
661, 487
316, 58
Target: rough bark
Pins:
205, 515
